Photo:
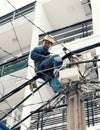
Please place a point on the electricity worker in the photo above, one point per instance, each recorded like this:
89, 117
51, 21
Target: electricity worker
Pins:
44, 60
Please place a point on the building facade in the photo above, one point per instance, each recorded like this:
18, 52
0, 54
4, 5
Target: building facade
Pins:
75, 26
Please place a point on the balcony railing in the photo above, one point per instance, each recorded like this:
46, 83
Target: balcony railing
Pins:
14, 65
17, 13
57, 119
71, 33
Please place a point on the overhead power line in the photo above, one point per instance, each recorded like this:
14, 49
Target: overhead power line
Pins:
39, 74
64, 57
24, 100
17, 38
36, 110
81, 50
81, 62
19, 88
8, 52
26, 83
14, 119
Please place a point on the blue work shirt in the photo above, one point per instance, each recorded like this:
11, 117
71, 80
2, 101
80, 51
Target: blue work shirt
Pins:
38, 55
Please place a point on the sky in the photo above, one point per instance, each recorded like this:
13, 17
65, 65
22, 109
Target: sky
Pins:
5, 7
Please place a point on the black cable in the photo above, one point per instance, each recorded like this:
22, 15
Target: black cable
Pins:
22, 86
23, 100
34, 78
63, 46
46, 110
36, 111
82, 62
70, 54
19, 88
33, 112
81, 50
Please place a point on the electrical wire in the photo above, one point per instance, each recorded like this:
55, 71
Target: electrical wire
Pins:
23, 100
88, 71
53, 68
32, 104
36, 110
7, 122
15, 32
20, 77
71, 52
3, 95
44, 32
63, 46
13, 118
82, 62
52, 106
92, 67
39, 117
45, 111
19, 88
81, 50
22, 86
8, 53
6, 100
17, 38
69, 65
26, 17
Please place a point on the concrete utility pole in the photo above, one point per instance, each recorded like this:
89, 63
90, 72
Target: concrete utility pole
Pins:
76, 110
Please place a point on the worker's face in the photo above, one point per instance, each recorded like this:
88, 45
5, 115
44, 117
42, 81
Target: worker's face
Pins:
47, 44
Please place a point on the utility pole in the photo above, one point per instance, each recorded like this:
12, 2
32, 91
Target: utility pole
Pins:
76, 110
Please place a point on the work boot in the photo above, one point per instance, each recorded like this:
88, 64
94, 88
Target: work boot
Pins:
32, 85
